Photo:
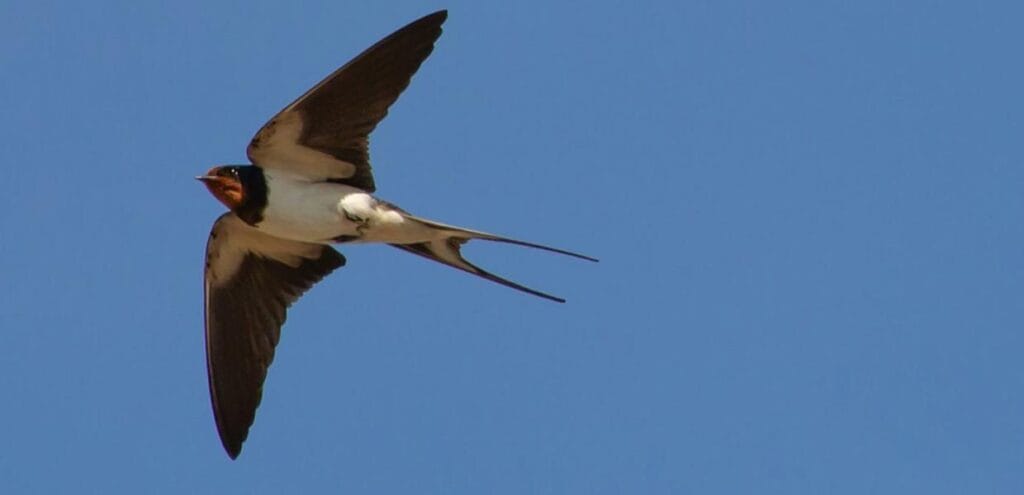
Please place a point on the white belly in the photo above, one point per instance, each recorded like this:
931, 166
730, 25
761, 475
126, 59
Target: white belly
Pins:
323, 212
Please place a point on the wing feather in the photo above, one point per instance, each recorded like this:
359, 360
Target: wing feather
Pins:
250, 280
324, 134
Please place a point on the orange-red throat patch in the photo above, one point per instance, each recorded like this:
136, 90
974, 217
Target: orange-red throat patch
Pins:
227, 189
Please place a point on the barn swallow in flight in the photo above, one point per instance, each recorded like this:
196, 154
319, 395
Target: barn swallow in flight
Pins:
309, 187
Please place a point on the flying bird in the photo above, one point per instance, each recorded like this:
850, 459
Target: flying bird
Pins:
310, 187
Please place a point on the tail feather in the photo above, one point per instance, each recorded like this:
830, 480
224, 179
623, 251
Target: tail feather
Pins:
489, 237
447, 251
464, 233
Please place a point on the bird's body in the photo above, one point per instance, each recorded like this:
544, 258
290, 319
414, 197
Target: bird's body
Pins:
327, 212
310, 187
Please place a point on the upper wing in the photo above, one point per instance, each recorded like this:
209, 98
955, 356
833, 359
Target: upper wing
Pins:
251, 279
324, 133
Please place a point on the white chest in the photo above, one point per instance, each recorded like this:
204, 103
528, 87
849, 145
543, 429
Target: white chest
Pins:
324, 212
305, 211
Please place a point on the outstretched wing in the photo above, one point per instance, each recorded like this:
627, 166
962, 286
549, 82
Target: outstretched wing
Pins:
324, 133
250, 280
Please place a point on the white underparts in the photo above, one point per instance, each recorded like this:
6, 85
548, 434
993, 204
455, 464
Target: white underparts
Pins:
323, 212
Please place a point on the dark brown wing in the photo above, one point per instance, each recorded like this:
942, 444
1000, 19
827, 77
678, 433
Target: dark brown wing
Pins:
251, 279
324, 134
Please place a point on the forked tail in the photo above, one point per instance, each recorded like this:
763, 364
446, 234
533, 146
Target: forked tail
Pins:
447, 250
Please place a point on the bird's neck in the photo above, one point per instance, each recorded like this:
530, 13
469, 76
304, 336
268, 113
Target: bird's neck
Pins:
254, 201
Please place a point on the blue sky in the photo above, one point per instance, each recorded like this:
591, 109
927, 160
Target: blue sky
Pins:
809, 216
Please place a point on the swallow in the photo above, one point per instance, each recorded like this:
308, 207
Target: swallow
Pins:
310, 187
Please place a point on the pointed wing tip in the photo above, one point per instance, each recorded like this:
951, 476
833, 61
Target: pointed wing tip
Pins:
232, 446
435, 19
439, 16
232, 443
432, 21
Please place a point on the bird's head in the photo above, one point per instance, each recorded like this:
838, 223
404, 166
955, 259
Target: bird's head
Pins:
225, 183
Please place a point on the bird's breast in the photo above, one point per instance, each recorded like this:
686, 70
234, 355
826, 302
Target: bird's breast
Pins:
307, 211
324, 212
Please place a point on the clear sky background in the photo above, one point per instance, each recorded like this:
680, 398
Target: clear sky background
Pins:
810, 218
